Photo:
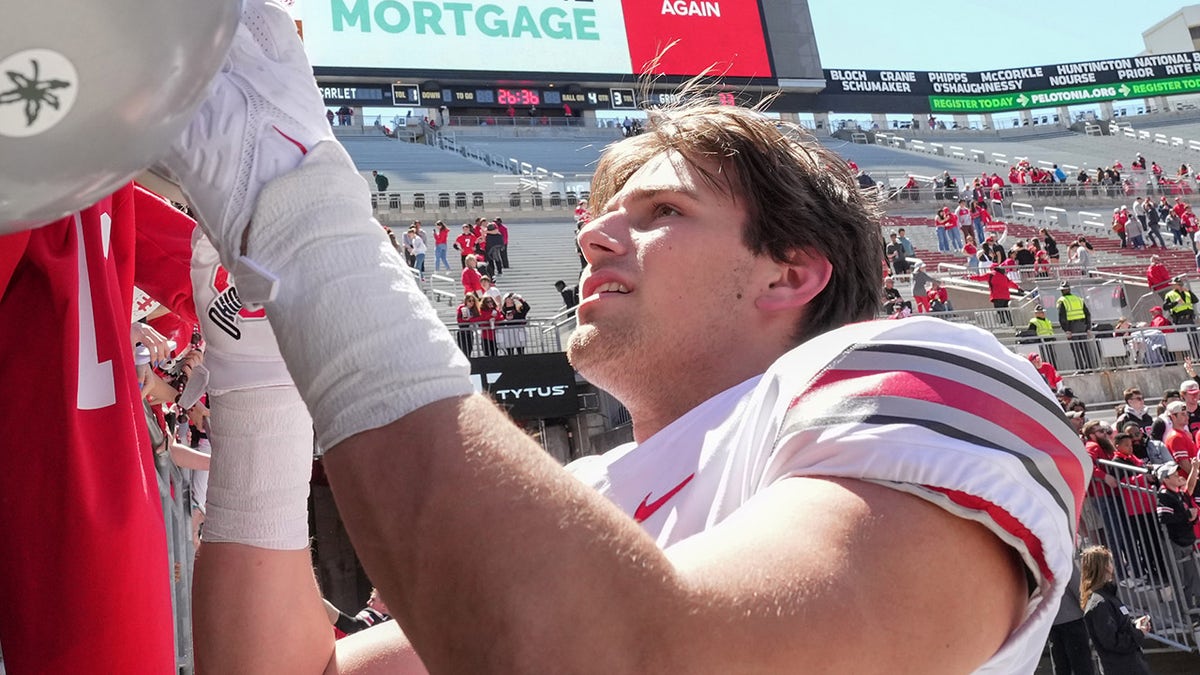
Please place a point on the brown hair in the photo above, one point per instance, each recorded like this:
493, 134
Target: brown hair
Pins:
796, 193
1093, 571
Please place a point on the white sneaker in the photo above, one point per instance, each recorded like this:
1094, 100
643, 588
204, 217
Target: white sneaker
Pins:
263, 114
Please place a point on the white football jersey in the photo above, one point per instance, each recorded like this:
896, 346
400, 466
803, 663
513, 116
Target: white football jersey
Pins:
938, 410
241, 350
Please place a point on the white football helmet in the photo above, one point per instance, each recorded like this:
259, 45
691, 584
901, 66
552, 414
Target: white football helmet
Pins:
91, 93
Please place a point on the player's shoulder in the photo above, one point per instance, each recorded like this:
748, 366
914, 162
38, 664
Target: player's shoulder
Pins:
893, 344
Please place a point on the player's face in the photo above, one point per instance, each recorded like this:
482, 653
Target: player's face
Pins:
666, 240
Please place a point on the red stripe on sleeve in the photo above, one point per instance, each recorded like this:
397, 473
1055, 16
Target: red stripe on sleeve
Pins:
968, 399
1005, 520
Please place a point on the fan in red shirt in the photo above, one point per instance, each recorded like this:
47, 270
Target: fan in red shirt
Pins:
471, 276
465, 244
1047, 371
1179, 440
1000, 289
80, 515
1157, 320
1158, 276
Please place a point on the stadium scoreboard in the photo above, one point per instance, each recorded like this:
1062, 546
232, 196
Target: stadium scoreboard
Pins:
536, 39
412, 94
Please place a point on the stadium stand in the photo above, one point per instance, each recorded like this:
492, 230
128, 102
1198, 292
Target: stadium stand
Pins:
411, 166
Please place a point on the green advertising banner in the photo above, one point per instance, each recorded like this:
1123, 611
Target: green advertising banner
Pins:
1066, 96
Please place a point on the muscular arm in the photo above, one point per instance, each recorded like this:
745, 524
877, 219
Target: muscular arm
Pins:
490, 555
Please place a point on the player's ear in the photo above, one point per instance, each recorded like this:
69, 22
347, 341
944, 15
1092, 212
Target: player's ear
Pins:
795, 281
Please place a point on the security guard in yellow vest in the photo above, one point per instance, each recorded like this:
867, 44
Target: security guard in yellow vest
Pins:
1076, 321
1039, 324
1181, 303
1044, 332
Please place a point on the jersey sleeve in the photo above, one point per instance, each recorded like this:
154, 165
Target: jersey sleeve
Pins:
945, 413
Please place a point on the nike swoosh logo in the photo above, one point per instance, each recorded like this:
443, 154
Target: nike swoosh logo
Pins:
647, 507
298, 144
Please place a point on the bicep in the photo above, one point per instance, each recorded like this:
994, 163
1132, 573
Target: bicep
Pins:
845, 575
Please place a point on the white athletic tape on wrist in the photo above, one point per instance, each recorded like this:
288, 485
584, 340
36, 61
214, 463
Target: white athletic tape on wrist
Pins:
261, 464
361, 341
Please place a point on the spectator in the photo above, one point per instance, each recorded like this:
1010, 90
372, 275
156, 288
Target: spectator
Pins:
1135, 411
1046, 370
1162, 421
381, 181
471, 277
489, 316
1153, 224
939, 297
345, 116
490, 290
570, 294
1157, 320
1179, 441
943, 222
581, 211
1120, 221
972, 252
504, 235
1177, 513
329, 116
897, 256
1075, 319
1024, 255
494, 241
464, 244
441, 236
1158, 277
1083, 255
960, 223
1070, 649
1000, 289
993, 249
418, 253
511, 338
1117, 638
892, 301
920, 287
909, 251
466, 314
1134, 230
1145, 448
1049, 245
410, 257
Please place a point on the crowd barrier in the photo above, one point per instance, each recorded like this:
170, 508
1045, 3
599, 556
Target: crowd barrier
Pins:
508, 338
175, 492
1149, 567
395, 204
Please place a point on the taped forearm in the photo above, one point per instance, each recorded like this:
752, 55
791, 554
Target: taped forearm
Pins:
362, 342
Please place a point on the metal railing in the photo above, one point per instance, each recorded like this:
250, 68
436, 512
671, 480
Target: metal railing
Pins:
174, 492
1114, 349
1150, 568
397, 204
507, 338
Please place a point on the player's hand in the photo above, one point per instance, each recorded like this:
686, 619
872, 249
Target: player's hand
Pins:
150, 339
